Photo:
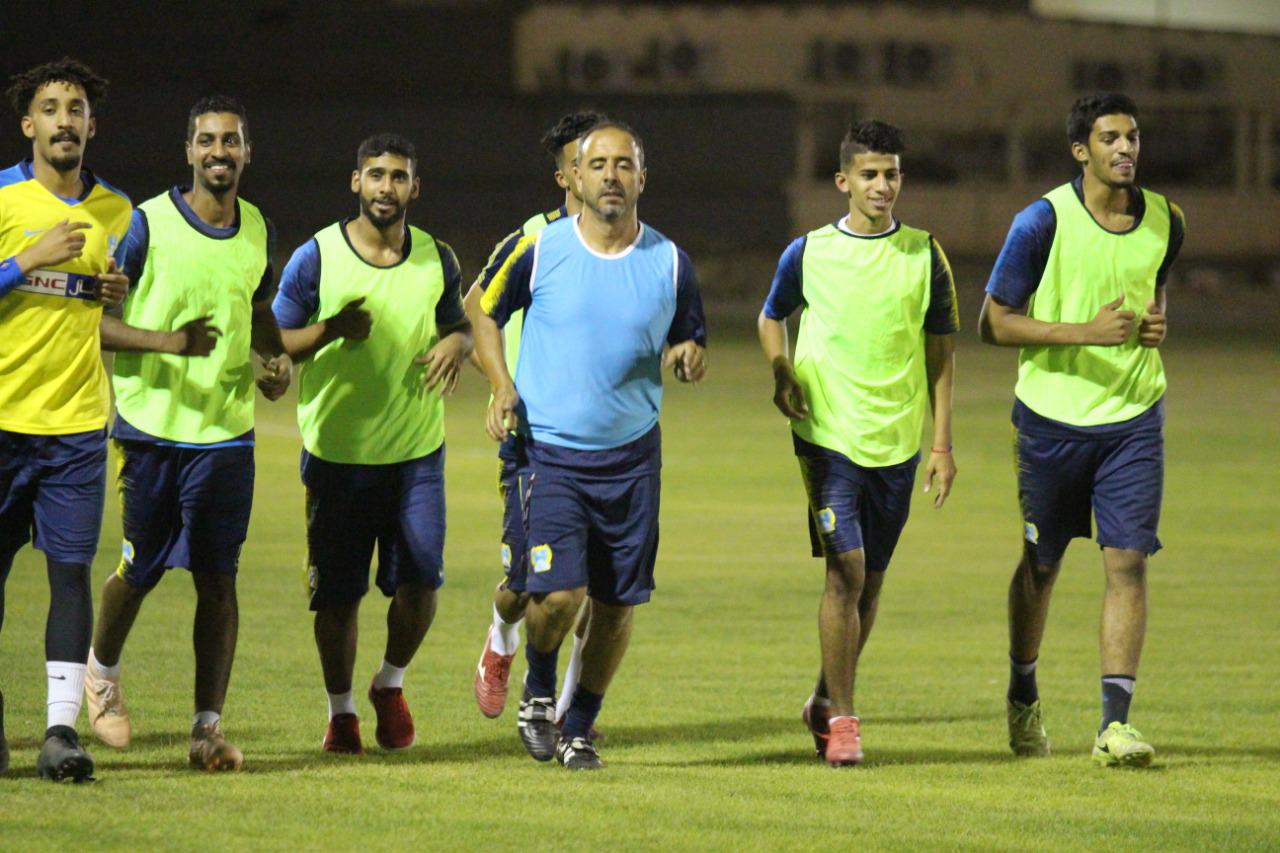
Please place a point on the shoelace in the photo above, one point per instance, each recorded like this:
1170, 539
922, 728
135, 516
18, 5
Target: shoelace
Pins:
109, 697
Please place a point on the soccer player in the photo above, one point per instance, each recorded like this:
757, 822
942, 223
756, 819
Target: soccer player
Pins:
372, 309
602, 295
60, 229
874, 349
510, 599
199, 257
1079, 288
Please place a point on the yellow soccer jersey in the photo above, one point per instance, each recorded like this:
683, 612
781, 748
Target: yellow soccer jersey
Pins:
52, 381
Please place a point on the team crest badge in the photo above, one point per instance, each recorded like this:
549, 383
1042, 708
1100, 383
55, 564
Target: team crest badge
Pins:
827, 520
1031, 533
506, 556
540, 559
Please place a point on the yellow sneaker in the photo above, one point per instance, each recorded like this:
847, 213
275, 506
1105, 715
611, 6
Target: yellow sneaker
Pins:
1026, 729
210, 750
108, 716
1121, 745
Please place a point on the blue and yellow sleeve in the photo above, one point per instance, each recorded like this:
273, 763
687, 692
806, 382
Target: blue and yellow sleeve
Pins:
786, 293
1025, 254
943, 316
690, 321
1177, 231
298, 298
508, 290
449, 311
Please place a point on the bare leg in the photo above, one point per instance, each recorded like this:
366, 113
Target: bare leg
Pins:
409, 617
336, 629
1029, 594
606, 642
217, 625
511, 605
868, 605
120, 605
549, 617
1124, 611
839, 627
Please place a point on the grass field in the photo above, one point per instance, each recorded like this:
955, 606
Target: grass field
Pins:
704, 746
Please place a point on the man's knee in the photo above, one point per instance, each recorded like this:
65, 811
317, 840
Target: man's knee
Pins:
847, 572
1039, 573
214, 587
1125, 566
561, 604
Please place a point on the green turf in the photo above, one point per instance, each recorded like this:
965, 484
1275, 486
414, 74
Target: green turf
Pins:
704, 747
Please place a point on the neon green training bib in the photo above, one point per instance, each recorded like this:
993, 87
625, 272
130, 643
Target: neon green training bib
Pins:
1089, 267
860, 348
363, 402
188, 275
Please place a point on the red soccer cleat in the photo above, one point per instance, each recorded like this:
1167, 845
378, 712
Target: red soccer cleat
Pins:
395, 723
492, 674
343, 735
815, 717
845, 745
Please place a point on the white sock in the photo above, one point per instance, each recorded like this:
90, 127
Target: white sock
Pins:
506, 635
571, 673
844, 717
101, 670
341, 703
66, 689
206, 718
389, 676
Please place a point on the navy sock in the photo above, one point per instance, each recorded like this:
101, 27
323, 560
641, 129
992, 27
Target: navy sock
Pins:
1022, 681
1117, 693
582, 713
540, 681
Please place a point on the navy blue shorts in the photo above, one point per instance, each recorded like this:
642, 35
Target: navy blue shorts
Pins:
1061, 479
52, 488
595, 525
853, 507
513, 479
351, 508
182, 507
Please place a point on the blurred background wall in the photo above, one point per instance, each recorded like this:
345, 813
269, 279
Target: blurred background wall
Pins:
742, 106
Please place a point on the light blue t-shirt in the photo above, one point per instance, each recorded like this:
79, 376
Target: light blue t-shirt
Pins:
589, 374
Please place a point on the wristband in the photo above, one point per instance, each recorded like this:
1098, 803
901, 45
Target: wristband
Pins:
939, 449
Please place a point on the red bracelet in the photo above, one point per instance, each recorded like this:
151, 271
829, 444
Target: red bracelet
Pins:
939, 449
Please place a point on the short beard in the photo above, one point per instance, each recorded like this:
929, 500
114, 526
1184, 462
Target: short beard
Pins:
381, 222
216, 190
65, 163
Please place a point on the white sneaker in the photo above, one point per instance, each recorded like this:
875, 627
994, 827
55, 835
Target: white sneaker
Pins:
107, 714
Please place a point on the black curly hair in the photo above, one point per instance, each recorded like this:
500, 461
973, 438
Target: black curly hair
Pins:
23, 86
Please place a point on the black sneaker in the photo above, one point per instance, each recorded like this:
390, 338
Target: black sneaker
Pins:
537, 725
4, 744
578, 754
61, 757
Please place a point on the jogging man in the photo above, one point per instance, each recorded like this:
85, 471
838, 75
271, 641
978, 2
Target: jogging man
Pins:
603, 295
371, 308
875, 349
1079, 288
61, 229
200, 260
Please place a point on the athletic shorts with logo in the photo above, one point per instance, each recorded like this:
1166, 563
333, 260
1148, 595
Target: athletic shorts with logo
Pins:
182, 507
592, 519
399, 508
851, 506
1115, 471
51, 493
